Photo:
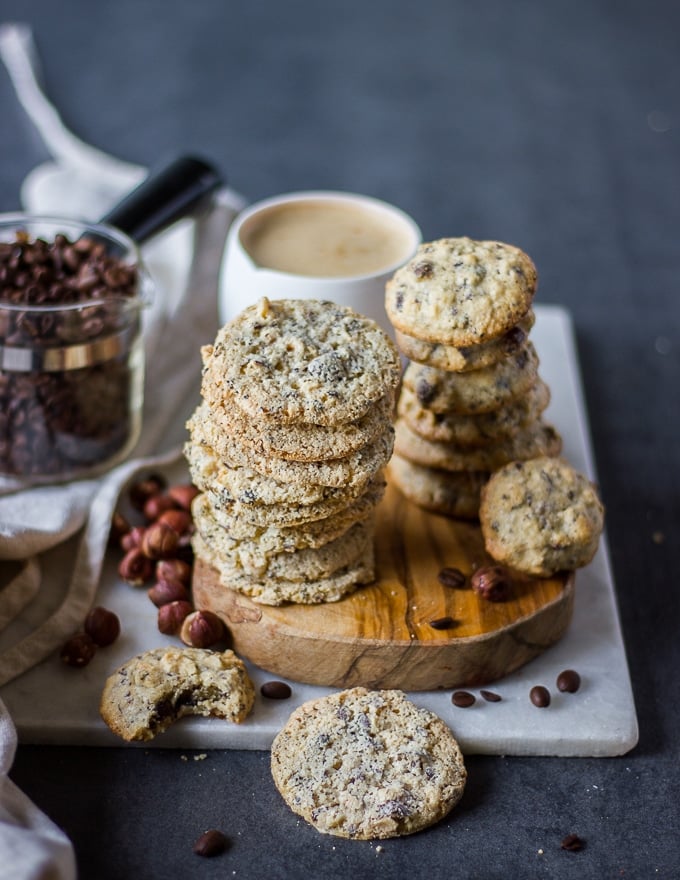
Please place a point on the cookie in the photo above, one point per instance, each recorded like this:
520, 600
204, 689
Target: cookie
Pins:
303, 442
541, 516
152, 690
474, 430
451, 493
355, 469
246, 486
235, 535
367, 765
478, 391
301, 361
538, 439
279, 591
309, 563
461, 292
471, 357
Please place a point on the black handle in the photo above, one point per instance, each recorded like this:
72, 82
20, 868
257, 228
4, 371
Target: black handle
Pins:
165, 196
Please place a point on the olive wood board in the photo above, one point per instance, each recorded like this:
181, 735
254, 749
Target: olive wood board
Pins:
53, 704
381, 635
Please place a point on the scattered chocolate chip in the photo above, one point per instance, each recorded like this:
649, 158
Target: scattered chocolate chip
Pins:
540, 696
423, 269
276, 690
451, 577
573, 843
568, 681
463, 699
210, 843
443, 623
491, 697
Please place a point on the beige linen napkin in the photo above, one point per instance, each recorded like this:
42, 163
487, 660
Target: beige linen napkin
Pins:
183, 262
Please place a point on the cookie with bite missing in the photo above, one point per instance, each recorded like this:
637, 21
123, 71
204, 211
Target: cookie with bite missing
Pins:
461, 292
151, 691
366, 764
541, 517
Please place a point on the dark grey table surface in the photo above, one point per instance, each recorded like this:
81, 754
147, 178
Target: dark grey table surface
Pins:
555, 126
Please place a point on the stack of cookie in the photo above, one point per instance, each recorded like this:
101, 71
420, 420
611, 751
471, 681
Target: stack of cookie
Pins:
472, 398
288, 448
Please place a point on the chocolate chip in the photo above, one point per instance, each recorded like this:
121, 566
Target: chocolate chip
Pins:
425, 392
463, 699
423, 269
568, 681
442, 623
276, 690
210, 843
491, 697
451, 577
573, 843
540, 696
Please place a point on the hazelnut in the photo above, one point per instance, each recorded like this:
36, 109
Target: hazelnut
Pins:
173, 570
141, 491
156, 505
160, 541
119, 528
135, 568
78, 650
179, 520
172, 616
202, 629
102, 626
133, 538
166, 591
492, 582
183, 495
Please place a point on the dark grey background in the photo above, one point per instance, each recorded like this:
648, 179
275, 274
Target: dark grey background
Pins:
552, 125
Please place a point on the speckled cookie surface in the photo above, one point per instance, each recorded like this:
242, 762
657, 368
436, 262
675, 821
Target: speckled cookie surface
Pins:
367, 765
279, 591
292, 361
541, 517
309, 563
471, 357
478, 391
461, 292
153, 690
263, 541
303, 442
355, 469
538, 439
451, 493
474, 430
285, 514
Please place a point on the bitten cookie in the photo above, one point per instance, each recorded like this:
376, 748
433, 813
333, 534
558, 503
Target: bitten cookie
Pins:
461, 292
541, 516
367, 764
152, 690
293, 361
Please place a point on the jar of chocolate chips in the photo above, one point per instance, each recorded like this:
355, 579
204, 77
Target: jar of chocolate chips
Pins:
71, 355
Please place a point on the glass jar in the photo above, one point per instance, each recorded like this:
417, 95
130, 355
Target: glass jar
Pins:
71, 349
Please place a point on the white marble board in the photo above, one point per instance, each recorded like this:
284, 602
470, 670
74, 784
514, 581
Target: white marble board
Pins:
58, 705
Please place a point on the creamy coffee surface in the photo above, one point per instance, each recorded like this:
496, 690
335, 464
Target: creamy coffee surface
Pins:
326, 239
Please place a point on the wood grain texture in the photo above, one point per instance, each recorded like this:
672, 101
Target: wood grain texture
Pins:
381, 635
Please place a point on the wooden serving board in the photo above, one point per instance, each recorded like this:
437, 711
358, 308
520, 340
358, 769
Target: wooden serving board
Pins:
380, 636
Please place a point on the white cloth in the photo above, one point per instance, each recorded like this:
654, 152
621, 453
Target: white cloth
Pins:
84, 182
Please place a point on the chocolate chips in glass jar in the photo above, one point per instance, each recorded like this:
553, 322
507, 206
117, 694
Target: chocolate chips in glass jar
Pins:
70, 358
